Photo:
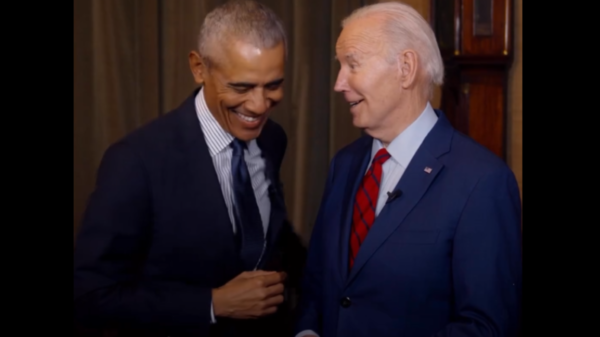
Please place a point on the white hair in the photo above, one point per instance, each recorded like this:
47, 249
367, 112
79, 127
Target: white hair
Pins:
405, 28
245, 20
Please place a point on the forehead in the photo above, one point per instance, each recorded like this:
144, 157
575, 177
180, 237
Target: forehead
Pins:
244, 61
360, 37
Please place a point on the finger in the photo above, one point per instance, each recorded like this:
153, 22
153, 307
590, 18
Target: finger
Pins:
273, 301
274, 290
255, 273
269, 311
274, 278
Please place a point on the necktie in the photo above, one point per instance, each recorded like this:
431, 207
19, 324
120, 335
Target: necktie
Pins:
247, 215
365, 203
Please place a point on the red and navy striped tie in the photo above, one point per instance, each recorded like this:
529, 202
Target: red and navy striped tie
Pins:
365, 203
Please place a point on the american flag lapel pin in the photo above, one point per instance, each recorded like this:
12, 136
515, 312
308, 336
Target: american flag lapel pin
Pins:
427, 169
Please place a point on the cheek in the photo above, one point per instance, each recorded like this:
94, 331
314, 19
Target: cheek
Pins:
231, 100
363, 84
275, 95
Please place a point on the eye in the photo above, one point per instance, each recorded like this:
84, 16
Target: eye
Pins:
274, 86
241, 90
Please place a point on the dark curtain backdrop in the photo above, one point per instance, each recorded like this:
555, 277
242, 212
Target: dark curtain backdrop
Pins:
130, 66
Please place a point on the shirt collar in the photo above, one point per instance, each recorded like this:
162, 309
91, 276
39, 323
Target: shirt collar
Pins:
405, 145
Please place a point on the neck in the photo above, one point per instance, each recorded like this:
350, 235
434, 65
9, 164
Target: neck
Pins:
399, 119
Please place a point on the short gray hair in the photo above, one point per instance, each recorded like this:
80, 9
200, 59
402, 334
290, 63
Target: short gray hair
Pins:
246, 20
406, 28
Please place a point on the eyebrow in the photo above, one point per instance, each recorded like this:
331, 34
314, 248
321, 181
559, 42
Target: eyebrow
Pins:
248, 85
351, 56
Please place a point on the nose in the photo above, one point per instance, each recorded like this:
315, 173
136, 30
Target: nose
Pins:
258, 102
341, 83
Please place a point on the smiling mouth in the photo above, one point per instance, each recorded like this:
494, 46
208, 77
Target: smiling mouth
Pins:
245, 118
352, 104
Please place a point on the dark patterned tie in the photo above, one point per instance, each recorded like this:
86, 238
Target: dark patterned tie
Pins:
247, 215
365, 203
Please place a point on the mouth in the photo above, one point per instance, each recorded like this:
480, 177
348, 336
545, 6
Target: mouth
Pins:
355, 103
246, 119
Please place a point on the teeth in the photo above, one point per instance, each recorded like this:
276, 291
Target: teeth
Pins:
355, 103
246, 118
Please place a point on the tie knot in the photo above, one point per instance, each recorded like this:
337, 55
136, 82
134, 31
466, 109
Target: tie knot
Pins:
238, 145
381, 156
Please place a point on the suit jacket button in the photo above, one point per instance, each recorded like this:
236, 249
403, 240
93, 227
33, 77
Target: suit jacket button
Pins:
346, 302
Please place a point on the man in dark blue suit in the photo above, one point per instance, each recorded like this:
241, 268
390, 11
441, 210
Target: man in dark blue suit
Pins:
419, 230
186, 231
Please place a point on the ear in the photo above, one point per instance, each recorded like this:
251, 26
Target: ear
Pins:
197, 66
408, 63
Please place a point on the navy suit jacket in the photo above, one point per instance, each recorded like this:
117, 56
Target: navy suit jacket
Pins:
156, 236
442, 259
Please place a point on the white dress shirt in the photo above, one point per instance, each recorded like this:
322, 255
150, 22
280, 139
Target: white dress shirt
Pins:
402, 149
219, 147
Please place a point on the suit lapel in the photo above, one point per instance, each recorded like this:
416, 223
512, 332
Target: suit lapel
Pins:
201, 177
419, 175
357, 168
278, 211
413, 185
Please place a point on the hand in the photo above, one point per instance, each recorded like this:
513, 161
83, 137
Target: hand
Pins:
249, 295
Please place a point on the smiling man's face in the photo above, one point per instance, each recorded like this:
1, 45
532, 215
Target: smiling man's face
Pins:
242, 86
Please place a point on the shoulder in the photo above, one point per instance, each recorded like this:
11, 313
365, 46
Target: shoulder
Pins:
476, 158
274, 136
151, 140
355, 148
160, 130
274, 131
479, 168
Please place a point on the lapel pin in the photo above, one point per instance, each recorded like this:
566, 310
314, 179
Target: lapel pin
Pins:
427, 169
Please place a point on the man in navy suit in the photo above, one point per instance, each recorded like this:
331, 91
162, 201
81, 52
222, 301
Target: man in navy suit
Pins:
186, 231
419, 230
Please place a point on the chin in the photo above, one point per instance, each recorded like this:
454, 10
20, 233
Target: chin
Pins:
247, 134
359, 123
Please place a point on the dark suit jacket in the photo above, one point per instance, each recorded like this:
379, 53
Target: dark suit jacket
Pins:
156, 236
442, 259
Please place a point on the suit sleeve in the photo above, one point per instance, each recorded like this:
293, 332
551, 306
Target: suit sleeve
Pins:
486, 262
309, 306
109, 254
